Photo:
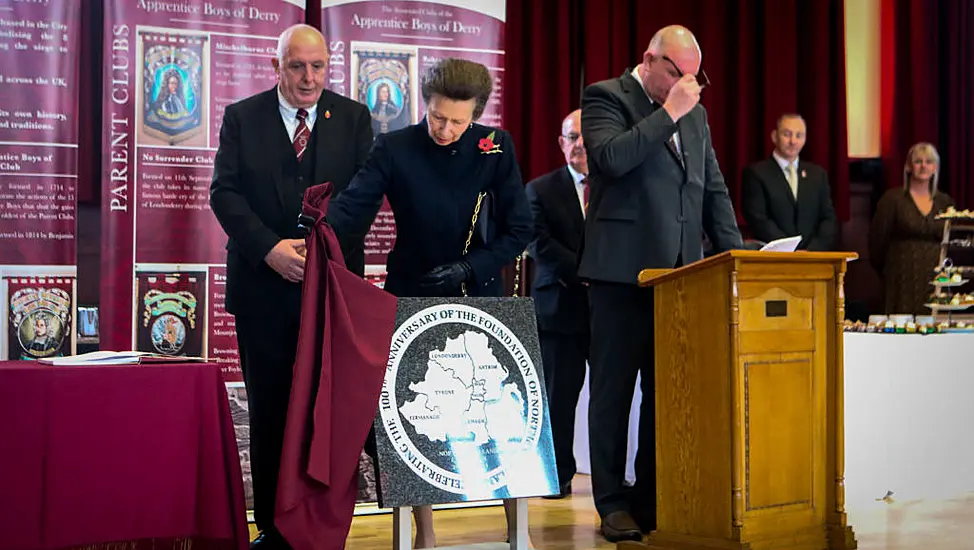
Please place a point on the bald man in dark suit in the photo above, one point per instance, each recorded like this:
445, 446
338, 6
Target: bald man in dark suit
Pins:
656, 191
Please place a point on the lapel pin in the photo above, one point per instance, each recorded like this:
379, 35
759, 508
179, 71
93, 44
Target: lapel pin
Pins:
328, 115
803, 173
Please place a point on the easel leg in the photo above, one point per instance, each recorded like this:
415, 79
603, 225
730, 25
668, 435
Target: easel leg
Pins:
518, 529
402, 528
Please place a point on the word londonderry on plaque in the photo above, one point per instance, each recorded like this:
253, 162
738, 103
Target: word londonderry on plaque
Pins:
463, 414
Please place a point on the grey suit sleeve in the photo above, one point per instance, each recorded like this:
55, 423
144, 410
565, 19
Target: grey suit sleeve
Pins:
827, 224
612, 146
754, 207
719, 220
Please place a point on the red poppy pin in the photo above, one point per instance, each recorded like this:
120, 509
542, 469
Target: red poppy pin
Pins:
487, 145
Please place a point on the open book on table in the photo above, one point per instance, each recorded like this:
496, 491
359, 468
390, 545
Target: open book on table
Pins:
118, 358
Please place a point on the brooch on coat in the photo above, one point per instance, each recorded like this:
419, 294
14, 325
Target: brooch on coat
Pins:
487, 145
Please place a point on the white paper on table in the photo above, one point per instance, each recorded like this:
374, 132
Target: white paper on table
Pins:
788, 244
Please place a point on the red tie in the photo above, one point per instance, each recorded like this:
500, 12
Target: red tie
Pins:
585, 194
302, 134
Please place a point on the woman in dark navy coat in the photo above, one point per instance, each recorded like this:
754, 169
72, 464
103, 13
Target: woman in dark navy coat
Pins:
433, 174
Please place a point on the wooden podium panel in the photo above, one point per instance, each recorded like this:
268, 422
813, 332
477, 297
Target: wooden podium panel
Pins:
748, 372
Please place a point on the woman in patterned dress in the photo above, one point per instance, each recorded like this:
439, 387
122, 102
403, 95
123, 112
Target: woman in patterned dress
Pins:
905, 236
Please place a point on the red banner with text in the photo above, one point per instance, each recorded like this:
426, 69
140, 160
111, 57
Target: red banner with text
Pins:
378, 52
38, 177
171, 68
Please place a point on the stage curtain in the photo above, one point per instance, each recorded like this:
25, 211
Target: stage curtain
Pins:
927, 87
910, 82
957, 81
542, 78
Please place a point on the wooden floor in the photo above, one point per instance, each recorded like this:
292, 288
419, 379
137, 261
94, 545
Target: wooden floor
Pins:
573, 523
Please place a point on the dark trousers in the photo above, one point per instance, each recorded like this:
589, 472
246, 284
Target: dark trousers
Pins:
564, 356
622, 346
267, 346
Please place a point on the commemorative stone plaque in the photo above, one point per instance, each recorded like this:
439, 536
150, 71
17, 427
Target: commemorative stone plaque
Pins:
463, 414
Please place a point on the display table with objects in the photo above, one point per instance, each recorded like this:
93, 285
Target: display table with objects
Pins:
96, 456
907, 412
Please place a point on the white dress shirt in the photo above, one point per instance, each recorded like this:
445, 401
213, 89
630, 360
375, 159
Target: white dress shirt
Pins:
289, 115
577, 177
639, 79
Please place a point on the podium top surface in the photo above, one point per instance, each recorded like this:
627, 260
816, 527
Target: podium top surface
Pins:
650, 277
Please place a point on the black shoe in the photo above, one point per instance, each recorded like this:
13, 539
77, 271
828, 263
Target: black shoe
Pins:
645, 520
619, 526
269, 540
565, 489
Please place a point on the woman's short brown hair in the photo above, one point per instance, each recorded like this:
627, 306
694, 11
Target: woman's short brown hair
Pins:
459, 80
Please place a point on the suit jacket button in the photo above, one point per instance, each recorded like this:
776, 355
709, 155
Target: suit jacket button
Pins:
681, 219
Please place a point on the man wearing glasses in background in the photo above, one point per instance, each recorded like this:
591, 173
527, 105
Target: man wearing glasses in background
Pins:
558, 201
656, 189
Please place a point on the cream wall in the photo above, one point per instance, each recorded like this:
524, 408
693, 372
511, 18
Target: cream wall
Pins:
863, 61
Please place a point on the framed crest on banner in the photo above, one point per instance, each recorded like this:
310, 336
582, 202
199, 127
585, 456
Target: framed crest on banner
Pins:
170, 316
39, 310
173, 105
385, 80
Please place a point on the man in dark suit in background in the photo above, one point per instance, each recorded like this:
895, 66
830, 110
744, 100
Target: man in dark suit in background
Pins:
273, 146
785, 197
558, 200
656, 189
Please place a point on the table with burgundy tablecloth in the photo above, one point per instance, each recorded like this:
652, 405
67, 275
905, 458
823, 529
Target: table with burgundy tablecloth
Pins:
93, 456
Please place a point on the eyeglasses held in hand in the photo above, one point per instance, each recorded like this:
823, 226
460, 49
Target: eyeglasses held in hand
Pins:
701, 76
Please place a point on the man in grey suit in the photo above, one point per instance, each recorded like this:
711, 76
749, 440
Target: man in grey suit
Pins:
656, 190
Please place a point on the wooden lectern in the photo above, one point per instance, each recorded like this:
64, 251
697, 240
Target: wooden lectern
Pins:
749, 405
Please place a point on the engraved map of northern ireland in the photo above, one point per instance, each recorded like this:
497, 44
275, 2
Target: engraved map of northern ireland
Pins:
463, 396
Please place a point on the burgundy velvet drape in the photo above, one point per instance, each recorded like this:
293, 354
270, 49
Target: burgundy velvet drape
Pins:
927, 86
764, 58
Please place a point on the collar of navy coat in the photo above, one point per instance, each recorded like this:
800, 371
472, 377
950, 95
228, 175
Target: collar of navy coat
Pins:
468, 142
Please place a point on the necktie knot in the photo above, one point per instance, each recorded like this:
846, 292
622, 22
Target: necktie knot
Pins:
302, 115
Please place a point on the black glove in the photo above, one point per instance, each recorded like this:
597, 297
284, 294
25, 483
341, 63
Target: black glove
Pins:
445, 279
305, 223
